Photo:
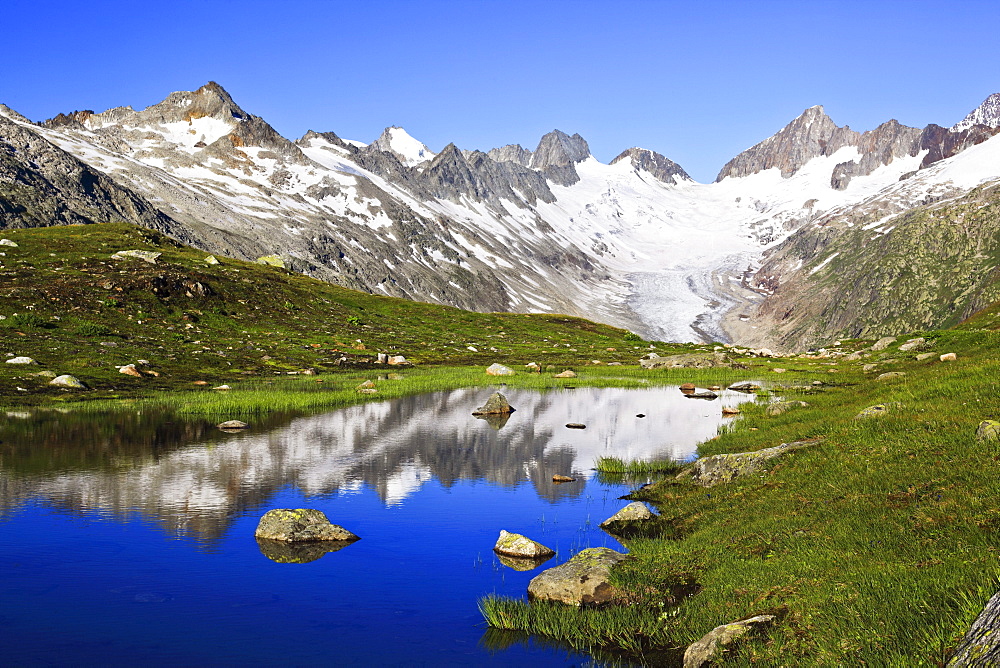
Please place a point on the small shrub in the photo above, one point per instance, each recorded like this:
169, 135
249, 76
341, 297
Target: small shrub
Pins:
632, 336
354, 321
93, 329
27, 320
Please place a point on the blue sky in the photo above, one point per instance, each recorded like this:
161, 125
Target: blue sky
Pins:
696, 81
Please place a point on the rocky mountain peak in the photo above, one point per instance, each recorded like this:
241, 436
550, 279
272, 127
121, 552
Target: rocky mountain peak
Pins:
810, 135
661, 167
556, 155
987, 113
397, 141
511, 153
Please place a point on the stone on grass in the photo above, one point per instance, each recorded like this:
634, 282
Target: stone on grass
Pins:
129, 370
890, 375
581, 581
144, 255
499, 370
709, 651
877, 410
568, 373
784, 407
719, 469
948, 357
211, 259
918, 343
271, 261
516, 545
222, 387
8, 242
497, 404
68, 381
300, 524
367, 385
925, 356
232, 425
687, 361
397, 360
633, 512
988, 430
21, 360
883, 343
730, 410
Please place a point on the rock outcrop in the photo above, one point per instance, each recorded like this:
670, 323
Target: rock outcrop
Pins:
724, 468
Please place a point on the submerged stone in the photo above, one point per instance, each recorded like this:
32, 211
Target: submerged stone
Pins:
300, 524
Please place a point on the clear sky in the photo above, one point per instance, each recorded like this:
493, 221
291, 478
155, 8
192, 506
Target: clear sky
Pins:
697, 81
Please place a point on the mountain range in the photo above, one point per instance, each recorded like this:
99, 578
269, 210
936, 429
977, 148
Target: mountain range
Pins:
816, 233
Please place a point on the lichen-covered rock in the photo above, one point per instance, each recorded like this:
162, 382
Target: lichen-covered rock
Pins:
583, 580
891, 375
272, 261
713, 645
988, 430
300, 524
568, 373
981, 645
883, 343
497, 404
785, 406
718, 469
745, 386
873, 411
68, 381
687, 361
516, 545
633, 512
499, 370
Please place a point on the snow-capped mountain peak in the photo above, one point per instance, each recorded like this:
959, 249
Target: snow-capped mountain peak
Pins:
987, 113
410, 151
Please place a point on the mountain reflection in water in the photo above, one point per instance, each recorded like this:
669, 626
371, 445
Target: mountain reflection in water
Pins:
194, 480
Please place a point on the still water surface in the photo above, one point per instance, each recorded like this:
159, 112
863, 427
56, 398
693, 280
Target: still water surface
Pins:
129, 538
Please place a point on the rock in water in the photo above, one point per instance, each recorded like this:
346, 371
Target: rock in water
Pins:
68, 381
284, 552
300, 524
710, 649
232, 425
516, 545
583, 580
499, 370
558, 477
496, 405
633, 512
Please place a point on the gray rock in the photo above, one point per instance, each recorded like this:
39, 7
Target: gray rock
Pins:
516, 545
21, 360
497, 404
581, 581
891, 375
883, 343
300, 524
988, 430
877, 410
980, 648
925, 356
565, 374
644, 160
704, 394
711, 648
918, 343
633, 512
499, 370
232, 425
719, 469
68, 381
8, 242
785, 406
745, 386
144, 255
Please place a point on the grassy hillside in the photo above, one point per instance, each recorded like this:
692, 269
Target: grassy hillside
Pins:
70, 306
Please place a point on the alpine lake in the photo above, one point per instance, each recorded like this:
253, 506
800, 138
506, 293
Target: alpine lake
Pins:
128, 538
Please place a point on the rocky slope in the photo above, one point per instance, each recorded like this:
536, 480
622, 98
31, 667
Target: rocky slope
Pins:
635, 243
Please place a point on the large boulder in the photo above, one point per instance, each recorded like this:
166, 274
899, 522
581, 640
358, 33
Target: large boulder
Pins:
717, 469
919, 343
633, 512
300, 524
583, 580
499, 370
686, 361
710, 650
497, 404
516, 545
883, 343
68, 381
21, 360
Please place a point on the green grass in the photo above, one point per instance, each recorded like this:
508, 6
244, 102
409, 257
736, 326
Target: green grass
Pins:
876, 546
